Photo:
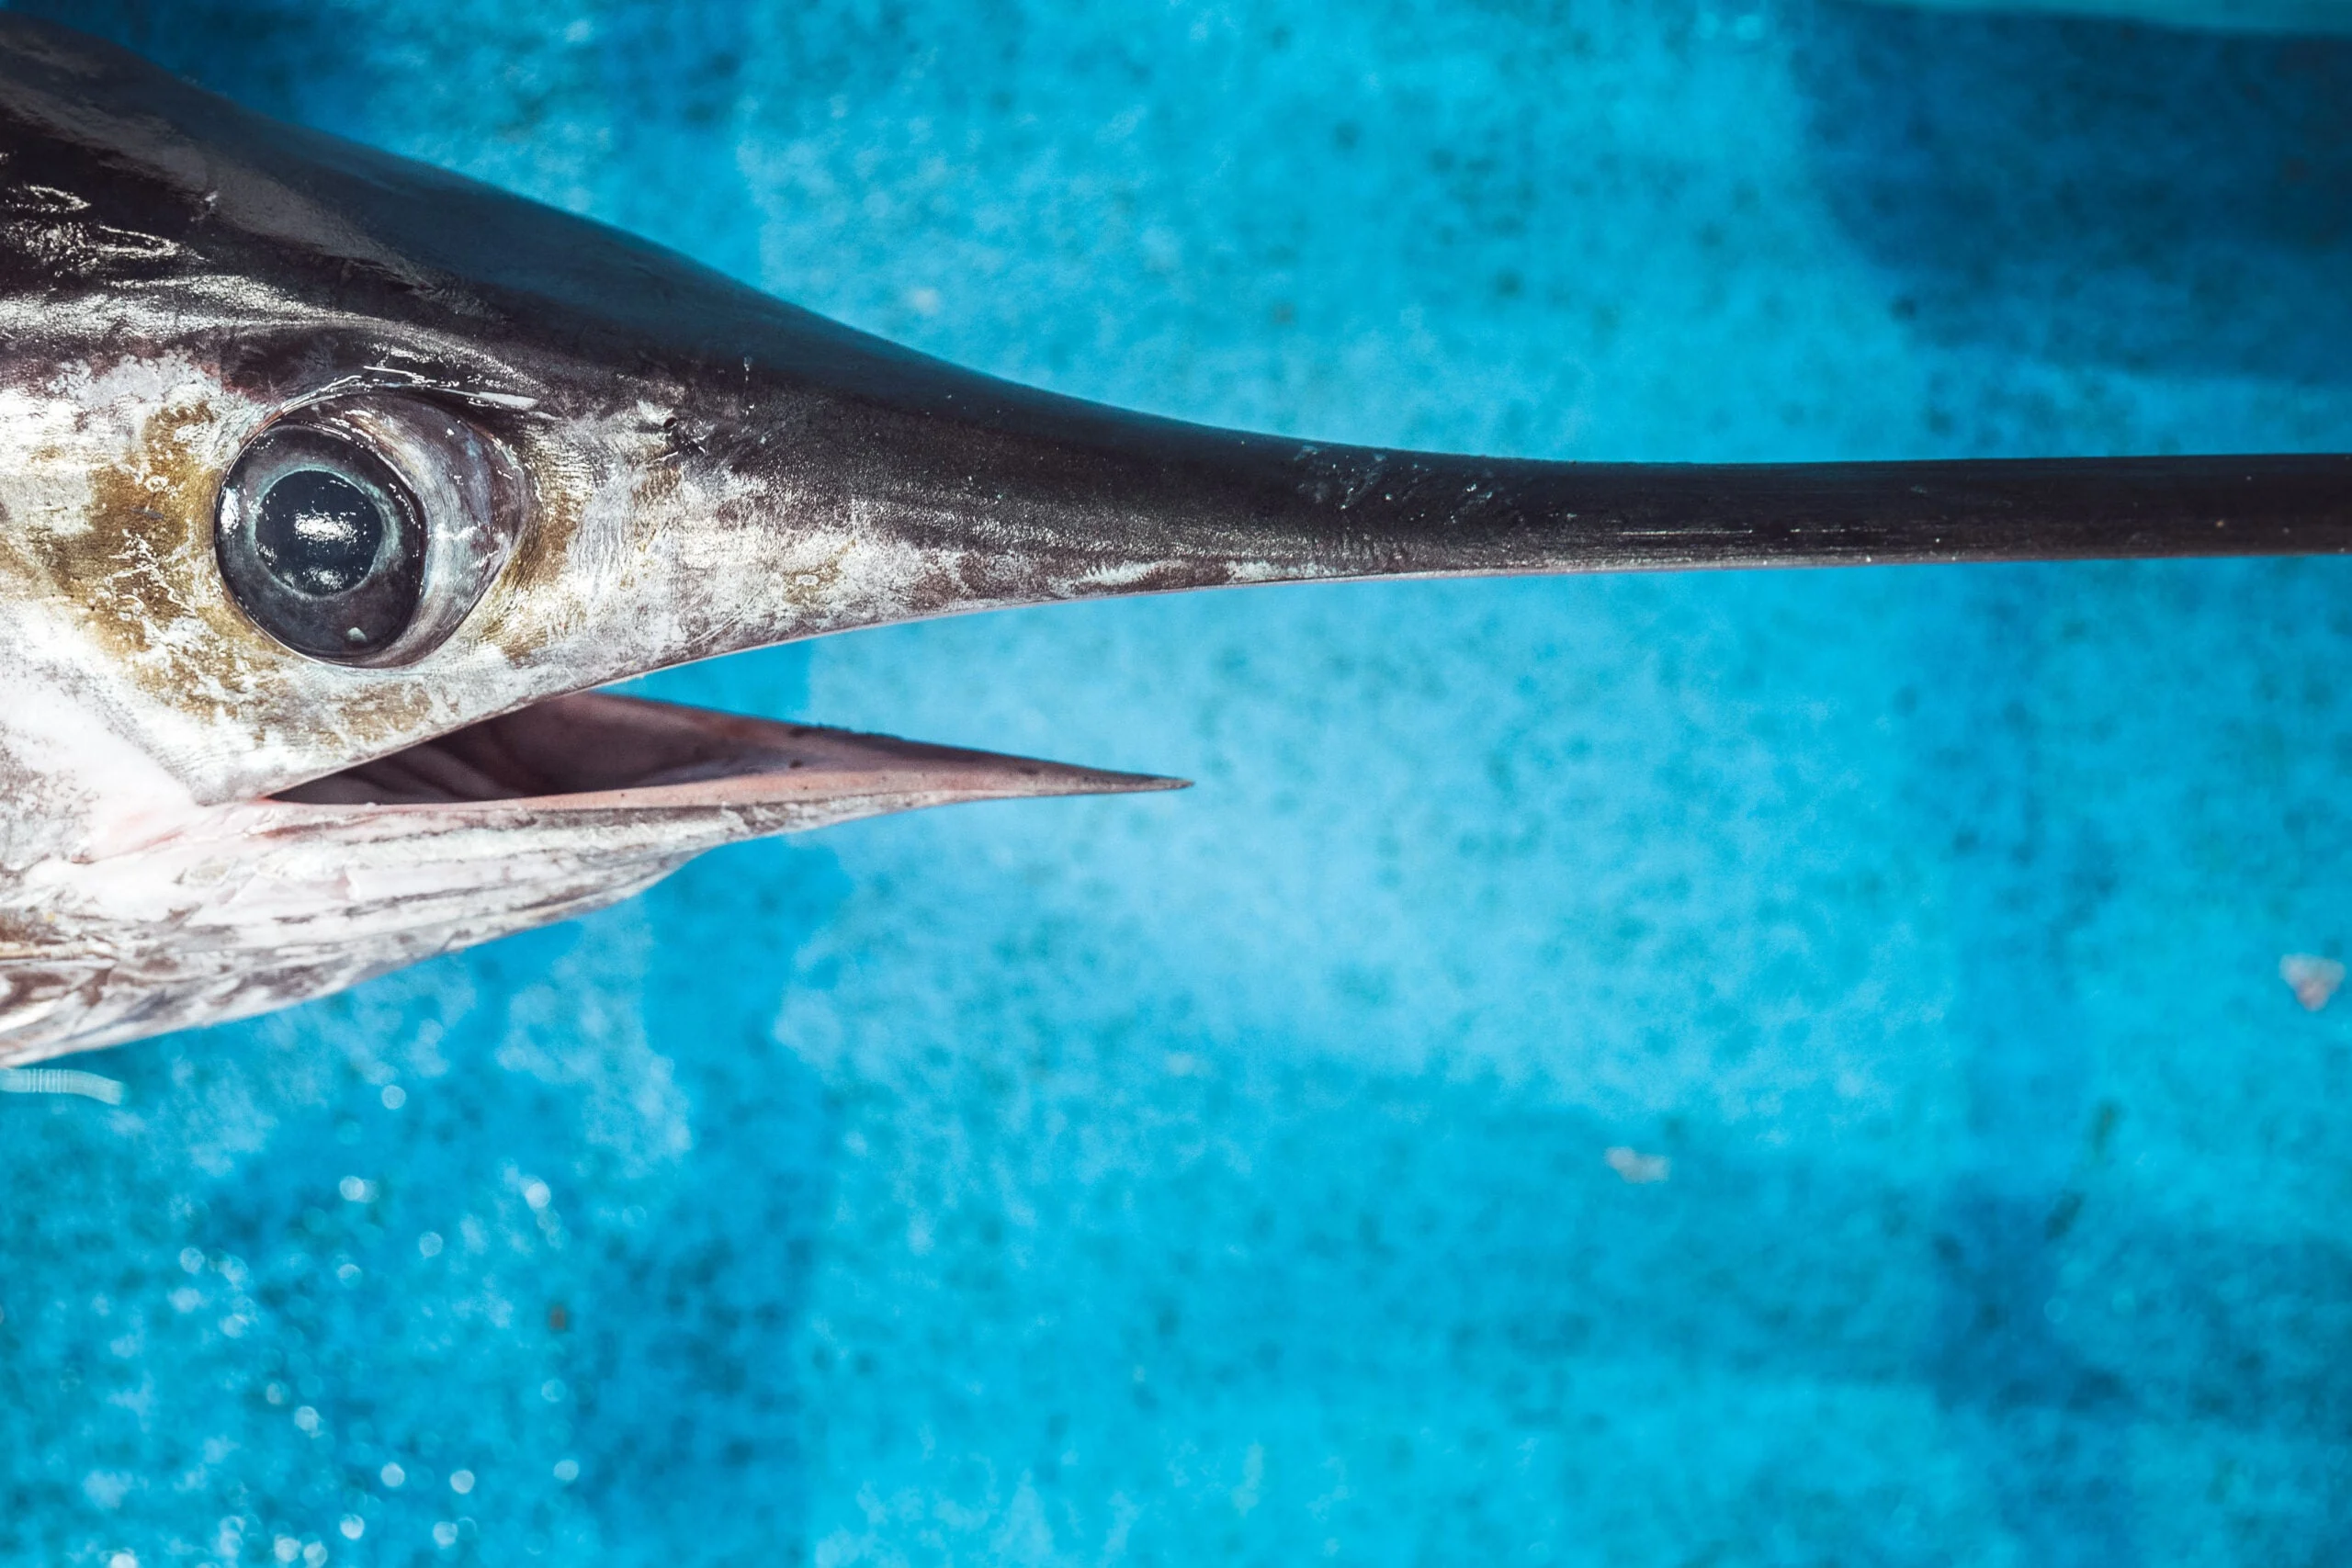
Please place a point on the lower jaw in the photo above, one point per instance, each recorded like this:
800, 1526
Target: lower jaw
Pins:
595, 749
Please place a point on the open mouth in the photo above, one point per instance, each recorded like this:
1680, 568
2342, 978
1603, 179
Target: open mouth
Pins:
593, 750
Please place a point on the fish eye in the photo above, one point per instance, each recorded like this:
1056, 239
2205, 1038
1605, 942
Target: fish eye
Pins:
324, 549
362, 530
319, 534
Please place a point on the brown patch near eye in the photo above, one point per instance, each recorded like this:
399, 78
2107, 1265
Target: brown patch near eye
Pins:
513, 618
144, 579
142, 570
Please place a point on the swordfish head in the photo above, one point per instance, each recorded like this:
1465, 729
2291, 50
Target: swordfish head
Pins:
331, 486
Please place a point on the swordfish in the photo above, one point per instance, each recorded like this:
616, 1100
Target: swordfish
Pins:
333, 486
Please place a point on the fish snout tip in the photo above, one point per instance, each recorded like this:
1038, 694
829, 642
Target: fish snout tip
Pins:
1146, 783
1062, 778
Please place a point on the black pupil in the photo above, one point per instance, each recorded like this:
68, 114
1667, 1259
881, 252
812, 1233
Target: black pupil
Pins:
318, 532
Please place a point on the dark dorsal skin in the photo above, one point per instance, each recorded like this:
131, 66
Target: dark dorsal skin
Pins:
615, 461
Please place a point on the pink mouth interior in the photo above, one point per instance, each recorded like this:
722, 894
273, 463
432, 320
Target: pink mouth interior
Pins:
593, 743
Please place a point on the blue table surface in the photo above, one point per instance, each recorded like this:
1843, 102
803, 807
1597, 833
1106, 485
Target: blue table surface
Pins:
1226, 1176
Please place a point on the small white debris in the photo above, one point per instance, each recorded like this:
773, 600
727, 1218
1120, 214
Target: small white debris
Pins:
353, 1527
59, 1080
429, 1244
462, 1482
535, 1193
444, 1535
567, 1470
356, 1190
393, 1476
2312, 979
1637, 1167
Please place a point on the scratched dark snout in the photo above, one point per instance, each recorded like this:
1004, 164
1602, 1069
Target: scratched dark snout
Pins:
335, 482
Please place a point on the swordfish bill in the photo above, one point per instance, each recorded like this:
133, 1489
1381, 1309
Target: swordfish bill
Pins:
332, 485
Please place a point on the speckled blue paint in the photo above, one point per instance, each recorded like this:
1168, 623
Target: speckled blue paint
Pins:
1222, 1178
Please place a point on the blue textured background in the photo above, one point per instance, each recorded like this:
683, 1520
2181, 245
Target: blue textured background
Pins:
1220, 1178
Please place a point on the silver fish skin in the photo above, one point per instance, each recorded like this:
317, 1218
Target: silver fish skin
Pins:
602, 459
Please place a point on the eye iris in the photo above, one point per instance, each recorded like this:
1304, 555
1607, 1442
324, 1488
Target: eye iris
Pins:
362, 531
318, 532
